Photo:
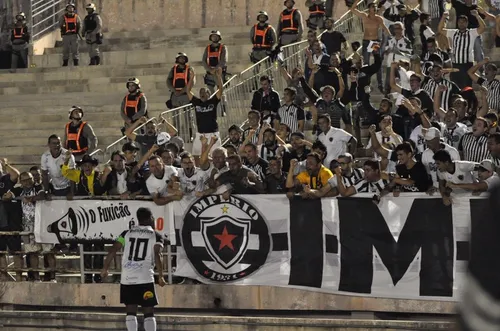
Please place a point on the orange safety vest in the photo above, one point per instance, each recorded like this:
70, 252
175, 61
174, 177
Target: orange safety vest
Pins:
259, 37
317, 10
75, 141
70, 23
213, 58
180, 79
19, 35
288, 23
131, 105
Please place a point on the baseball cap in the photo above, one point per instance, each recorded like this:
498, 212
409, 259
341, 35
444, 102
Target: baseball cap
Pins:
130, 146
432, 133
487, 165
178, 141
162, 138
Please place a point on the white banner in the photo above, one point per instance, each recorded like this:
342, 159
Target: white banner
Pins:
61, 220
407, 247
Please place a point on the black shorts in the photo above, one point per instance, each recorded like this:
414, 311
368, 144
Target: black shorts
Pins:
12, 243
138, 294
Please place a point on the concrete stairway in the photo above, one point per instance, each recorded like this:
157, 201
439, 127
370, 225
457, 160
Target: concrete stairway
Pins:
35, 101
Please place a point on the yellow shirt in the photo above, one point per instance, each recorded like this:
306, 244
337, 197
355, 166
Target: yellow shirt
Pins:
74, 175
315, 182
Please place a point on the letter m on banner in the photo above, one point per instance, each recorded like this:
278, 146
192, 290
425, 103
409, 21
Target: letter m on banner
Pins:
428, 229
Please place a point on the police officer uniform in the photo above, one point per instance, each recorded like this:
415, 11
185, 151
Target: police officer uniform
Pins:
215, 56
263, 38
317, 14
178, 81
92, 25
290, 26
20, 38
134, 104
70, 25
79, 137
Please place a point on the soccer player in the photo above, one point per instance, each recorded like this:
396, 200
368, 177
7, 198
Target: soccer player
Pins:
142, 250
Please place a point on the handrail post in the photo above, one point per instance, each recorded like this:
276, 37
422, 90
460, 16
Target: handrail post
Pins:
169, 264
82, 264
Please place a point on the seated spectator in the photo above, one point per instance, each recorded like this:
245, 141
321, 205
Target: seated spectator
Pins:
452, 172
315, 177
488, 179
373, 181
266, 100
239, 179
120, 179
337, 141
30, 193
275, 181
411, 175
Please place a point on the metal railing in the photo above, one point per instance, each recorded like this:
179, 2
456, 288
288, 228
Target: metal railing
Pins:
45, 15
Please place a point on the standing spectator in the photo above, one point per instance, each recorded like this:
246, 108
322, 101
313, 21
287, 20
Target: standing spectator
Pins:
266, 100
119, 179
234, 136
179, 78
452, 130
337, 141
425, 31
79, 137
463, 41
206, 114
251, 134
316, 14
372, 24
398, 48
334, 41
474, 145
290, 114
489, 82
299, 150
254, 162
390, 9
214, 60
411, 174
8, 178
146, 140
134, 105
92, 25
217, 164
20, 39
290, 26
71, 27
494, 149
488, 179
415, 91
276, 179
434, 80
268, 145
263, 37
238, 179
161, 181
372, 182
452, 172
191, 179
407, 16
314, 177
334, 108
51, 164
432, 48
436, 9
434, 144
386, 136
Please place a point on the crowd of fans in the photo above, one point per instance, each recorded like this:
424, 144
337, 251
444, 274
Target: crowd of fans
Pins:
435, 129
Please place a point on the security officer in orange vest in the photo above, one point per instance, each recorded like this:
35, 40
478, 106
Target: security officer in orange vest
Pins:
215, 56
79, 137
20, 38
263, 37
181, 75
290, 25
134, 104
71, 27
92, 25
317, 14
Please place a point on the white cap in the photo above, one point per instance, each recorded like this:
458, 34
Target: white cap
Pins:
487, 165
162, 138
432, 133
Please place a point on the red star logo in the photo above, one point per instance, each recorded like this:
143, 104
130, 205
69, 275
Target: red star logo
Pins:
242, 274
206, 272
226, 239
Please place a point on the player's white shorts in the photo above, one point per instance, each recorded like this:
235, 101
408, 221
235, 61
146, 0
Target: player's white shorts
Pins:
197, 142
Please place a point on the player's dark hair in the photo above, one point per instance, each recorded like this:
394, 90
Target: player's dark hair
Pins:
145, 216
442, 156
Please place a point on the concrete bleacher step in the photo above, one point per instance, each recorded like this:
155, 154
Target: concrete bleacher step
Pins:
164, 54
190, 33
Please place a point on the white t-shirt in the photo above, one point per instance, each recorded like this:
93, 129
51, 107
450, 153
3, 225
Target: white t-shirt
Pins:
138, 260
464, 173
452, 136
195, 183
430, 164
53, 167
159, 185
492, 181
417, 136
121, 182
383, 140
335, 141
